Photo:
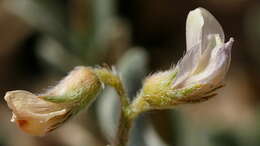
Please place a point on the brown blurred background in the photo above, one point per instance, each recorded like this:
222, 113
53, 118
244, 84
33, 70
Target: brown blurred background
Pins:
41, 40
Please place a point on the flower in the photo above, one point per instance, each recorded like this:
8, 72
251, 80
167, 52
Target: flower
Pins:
200, 71
208, 57
39, 114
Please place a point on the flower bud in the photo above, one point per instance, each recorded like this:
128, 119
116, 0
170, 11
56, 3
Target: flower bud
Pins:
198, 73
39, 114
154, 92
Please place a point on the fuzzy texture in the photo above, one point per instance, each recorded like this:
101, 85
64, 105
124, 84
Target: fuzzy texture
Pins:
198, 74
39, 114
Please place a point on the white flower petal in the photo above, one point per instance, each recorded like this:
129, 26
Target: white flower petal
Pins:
187, 65
218, 66
200, 25
203, 61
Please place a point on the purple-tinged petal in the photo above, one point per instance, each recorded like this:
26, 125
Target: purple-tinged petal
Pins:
187, 65
217, 68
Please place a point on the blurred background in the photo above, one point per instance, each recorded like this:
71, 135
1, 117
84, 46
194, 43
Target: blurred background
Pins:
41, 40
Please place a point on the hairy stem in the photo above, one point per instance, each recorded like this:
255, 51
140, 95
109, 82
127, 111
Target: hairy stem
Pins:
122, 135
110, 78
128, 114
128, 111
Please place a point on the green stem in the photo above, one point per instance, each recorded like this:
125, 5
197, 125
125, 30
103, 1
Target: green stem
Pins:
125, 123
122, 135
128, 111
128, 114
122, 96
112, 79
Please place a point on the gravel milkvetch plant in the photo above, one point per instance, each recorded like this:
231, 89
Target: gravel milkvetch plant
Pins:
194, 79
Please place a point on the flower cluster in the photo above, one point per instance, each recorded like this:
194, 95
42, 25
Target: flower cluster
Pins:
195, 78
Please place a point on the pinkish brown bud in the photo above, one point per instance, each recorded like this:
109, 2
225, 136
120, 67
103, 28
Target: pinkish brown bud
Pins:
39, 114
